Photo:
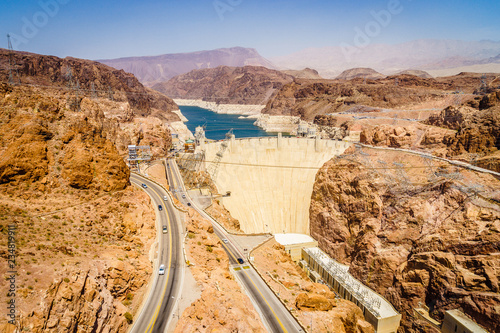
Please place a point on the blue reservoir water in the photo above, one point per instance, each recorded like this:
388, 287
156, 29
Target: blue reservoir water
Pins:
217, 125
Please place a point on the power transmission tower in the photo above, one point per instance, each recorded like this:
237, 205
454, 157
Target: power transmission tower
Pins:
110, 93
77, 97
484, 84
404, 181
11, 64
395, 120
93, 92
214, 166
458, 97
74, 102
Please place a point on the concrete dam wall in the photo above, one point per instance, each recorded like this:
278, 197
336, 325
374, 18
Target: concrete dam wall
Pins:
271, 180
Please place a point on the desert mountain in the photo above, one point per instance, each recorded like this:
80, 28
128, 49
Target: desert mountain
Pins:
155, 69
416, 72
364, 73
92, 78
306, 73
422, 54
226, 85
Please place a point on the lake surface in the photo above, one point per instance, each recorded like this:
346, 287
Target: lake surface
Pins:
217, 124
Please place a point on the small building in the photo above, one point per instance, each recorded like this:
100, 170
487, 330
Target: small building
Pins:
294, 243
175, 143
302, 129
189, 146
455, 321
311, 132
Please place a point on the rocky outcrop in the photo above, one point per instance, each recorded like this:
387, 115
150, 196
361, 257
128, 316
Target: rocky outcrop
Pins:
86, 300
452, 117
409, 137
247, 85
79, 152
479, 131
412, 234
314, 302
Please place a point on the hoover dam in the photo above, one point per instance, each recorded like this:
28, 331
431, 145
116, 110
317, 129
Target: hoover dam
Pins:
270, 179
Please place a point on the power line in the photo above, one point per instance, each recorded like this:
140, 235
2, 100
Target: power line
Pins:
306, 167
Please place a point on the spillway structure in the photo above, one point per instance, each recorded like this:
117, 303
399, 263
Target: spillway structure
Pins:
270, 179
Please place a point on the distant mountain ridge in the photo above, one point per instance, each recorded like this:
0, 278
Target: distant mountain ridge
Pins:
424, 54
154, 69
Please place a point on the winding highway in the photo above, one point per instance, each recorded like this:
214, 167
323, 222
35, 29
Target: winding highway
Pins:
274, 314
165, 289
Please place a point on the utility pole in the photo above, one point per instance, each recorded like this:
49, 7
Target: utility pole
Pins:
11, 64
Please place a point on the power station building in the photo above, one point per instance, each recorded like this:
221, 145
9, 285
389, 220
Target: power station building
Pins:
376, 309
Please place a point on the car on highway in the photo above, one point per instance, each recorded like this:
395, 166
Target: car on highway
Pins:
144, 185
160, 208
161, 271
165, 198
240, 261
224, 240
164, 229
189, 204
183, 196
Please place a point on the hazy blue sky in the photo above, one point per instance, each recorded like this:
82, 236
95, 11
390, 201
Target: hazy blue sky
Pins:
109, 29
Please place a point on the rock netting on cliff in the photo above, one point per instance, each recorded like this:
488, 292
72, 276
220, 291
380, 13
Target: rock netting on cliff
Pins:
415, 230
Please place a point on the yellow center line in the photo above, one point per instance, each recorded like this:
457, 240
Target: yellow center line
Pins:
155, 316
173, 177
265, 300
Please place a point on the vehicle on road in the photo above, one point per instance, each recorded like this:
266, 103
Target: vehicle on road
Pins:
161, 271
160, 208
183, 196
240, 261
189, 204
164, 229
224, 240
144, 185
165, 198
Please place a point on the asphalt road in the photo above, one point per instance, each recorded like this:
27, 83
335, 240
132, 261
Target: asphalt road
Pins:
274, 314
165, 289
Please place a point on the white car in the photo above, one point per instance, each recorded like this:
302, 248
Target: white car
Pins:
224, 240
165, 198
161, 271
183, 196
